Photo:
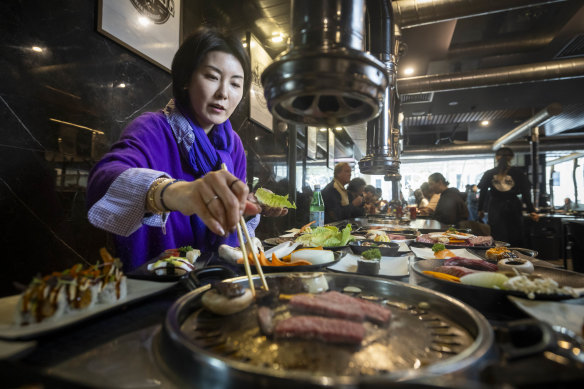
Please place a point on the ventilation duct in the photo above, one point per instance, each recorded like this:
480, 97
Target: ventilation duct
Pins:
382, 133
410, 13
536, 120
325, 78
555, 143
506, 75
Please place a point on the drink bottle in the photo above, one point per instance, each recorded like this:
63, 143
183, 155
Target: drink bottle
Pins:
317, 208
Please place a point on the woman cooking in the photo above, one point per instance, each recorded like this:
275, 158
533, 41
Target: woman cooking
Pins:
161, 185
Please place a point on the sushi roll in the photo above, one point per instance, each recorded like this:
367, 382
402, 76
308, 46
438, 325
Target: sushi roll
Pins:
44, 300
113, 283
192, 255
173, 266
369, 262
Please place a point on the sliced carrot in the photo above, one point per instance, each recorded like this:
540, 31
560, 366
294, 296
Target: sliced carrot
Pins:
444, 254
442, 276
310, 248
300, 262
304, 227
277, 262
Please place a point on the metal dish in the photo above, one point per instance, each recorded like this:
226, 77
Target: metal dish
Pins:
562, 277
460, 246
430, 334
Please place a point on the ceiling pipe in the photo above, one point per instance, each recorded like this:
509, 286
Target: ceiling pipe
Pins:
411, 13
505, 75
513, 45
565, 158
540, 117
555, 143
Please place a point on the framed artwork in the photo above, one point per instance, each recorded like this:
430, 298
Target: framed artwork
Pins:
258, 107
150, 29
330, 162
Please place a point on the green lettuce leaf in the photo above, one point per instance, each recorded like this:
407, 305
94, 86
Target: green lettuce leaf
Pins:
328, 236
346, 236
273, 200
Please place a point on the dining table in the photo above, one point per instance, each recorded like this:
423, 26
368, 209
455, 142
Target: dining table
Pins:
116, 347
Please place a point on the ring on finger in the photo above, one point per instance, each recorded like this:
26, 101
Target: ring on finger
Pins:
233, 183
211, 199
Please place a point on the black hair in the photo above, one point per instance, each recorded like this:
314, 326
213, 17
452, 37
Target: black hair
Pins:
193, 50
370, 189
506, 155
438, 177
356, 184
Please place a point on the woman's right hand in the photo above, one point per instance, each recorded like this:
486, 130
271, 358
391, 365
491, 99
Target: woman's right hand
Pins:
218, 198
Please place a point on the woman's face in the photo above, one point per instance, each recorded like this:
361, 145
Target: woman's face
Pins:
216, 88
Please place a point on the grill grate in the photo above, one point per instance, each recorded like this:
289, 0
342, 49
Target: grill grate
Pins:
415, 336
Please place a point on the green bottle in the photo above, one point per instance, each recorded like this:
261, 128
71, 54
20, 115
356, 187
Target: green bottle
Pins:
317, 208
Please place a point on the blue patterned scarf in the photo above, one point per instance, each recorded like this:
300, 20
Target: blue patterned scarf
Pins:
204, 152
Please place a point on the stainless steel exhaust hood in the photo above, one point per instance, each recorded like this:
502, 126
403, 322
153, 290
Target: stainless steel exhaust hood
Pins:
383, 132
326, 78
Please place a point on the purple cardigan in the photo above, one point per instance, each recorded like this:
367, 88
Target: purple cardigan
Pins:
149, 142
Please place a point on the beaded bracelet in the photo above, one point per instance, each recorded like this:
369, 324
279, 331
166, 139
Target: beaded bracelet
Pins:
166, 209
150, 202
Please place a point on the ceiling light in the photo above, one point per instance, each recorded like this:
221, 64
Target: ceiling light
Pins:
144, 21
453, 103
244, 44
37, 49
257, 138
338, 128
122, 85
323, 129
485, 123
409, 71
277, 39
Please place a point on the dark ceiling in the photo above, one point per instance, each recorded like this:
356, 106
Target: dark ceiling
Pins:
526, 36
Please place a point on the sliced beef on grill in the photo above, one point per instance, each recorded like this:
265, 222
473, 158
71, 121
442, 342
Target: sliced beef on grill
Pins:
265, 320
477, 264
425, 239
321, 328
481, 240
374, 312
319, 306
396, 237
457, 271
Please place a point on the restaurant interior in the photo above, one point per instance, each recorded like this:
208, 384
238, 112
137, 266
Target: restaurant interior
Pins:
448, 82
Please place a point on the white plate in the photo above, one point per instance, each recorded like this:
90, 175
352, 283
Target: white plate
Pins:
137, 290
570, 316
389, 266
427, 253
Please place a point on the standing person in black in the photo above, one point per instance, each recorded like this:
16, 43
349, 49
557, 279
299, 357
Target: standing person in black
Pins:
336, 198
451, 207
503, 184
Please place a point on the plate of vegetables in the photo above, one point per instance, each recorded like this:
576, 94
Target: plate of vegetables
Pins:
466, 274
288, 257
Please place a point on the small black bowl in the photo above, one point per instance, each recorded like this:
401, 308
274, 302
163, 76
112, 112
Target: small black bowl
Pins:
387, 249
